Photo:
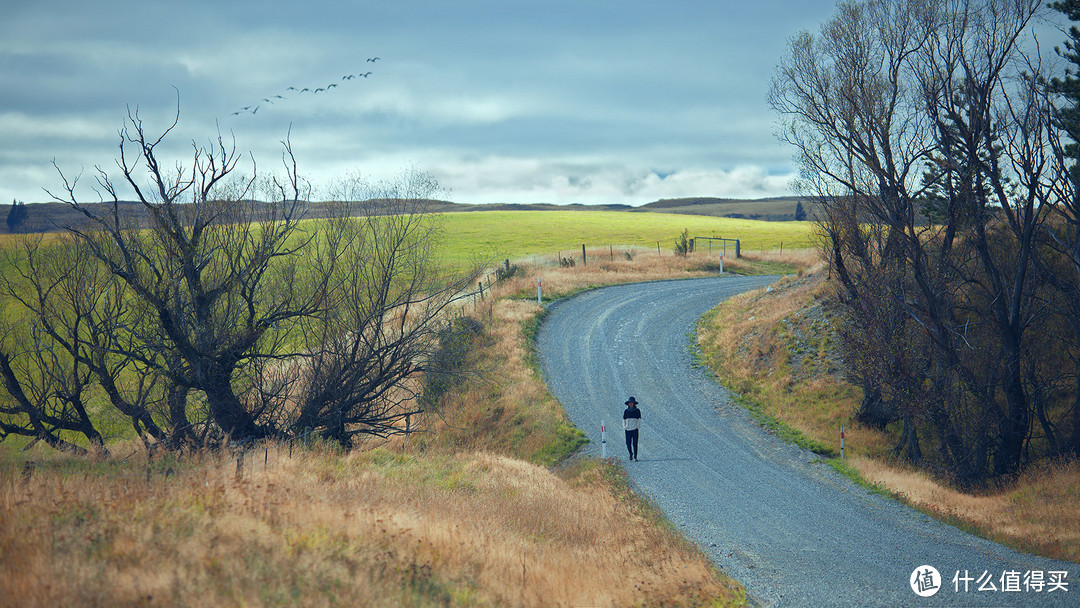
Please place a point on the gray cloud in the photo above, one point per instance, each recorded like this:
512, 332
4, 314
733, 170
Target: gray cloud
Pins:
515, 102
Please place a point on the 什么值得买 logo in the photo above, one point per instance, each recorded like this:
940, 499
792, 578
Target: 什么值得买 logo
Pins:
925, 581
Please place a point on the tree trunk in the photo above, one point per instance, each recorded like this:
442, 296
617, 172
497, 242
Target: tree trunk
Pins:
226, 409
873, 411
909, 442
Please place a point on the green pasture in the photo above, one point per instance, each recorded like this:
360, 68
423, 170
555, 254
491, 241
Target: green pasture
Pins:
497, 235
491, 236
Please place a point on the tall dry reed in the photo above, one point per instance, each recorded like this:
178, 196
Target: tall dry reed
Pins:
370, 528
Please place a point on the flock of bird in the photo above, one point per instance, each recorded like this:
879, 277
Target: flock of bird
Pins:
253, 108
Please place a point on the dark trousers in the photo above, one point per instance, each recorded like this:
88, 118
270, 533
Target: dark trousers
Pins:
631, 442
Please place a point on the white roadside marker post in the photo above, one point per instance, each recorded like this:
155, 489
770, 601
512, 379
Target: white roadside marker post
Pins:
539, 297
603, 440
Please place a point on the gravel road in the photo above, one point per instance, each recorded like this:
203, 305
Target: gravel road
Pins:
771, 515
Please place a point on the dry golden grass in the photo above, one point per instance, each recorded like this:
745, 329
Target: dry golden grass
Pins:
747, 341
458, 516
763, 346
611, 266
1035, 513
318, 528
501, 406
504, 407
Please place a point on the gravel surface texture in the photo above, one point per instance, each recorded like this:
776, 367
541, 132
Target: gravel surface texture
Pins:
771, 515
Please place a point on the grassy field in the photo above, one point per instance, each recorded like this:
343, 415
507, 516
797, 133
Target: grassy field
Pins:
483, 507
499, 235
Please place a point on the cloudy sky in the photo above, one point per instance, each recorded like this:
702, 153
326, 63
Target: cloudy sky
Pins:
577, 101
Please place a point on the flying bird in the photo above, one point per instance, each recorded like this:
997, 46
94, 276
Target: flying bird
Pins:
270, 100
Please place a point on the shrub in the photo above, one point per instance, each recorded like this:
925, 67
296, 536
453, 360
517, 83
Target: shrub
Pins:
449, 359
506, 271
682, 246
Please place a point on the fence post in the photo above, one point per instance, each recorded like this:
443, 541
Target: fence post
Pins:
584, 262
240, 466
603, 440
738, 253
658, 248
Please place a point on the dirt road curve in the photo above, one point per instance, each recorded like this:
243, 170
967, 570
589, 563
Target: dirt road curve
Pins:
790, 529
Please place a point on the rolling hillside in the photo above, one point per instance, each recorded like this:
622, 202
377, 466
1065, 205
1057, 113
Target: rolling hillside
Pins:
51, 217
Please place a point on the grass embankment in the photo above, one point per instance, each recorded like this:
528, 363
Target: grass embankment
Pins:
775, 349
465, 514
371, 528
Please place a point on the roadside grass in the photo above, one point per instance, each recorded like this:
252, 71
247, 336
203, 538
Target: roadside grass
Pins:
503, 406
774, 349
370, 528
786, 382
467, 512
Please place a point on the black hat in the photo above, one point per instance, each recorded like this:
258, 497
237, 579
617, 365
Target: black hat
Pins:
631, 400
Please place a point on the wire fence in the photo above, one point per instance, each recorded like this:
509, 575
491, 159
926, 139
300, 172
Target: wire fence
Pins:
243, 454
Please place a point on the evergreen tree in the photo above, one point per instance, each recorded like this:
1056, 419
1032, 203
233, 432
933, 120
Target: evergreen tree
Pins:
16, 216
1067, 113
800, 212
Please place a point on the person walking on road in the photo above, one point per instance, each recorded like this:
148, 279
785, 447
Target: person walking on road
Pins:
631, 422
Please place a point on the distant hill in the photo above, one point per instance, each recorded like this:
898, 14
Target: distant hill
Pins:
51, 217
781, 209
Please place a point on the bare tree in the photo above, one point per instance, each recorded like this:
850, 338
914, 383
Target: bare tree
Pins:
58, 312
898, 108
1063, 234
209, 276
219, 316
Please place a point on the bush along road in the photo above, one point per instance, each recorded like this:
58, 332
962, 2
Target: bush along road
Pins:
773, 516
